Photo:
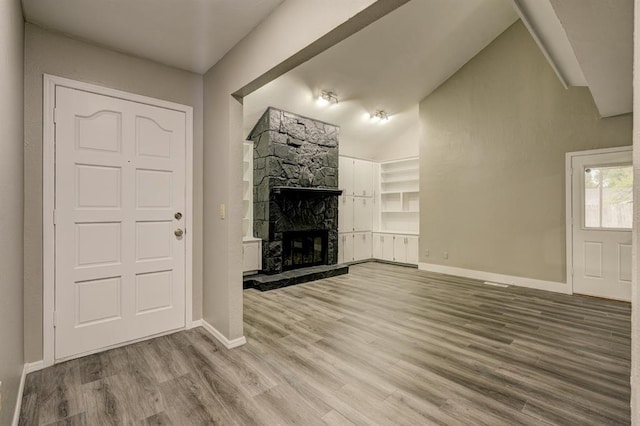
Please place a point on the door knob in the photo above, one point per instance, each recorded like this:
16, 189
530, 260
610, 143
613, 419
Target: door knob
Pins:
178, 232
178, 215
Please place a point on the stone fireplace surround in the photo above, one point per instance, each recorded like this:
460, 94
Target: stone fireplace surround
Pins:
295, 176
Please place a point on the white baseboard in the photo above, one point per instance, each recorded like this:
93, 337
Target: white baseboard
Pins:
194, 324
554, 286
26, 369
229, 344
34, 366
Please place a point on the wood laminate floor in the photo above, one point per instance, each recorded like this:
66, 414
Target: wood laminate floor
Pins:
383, 345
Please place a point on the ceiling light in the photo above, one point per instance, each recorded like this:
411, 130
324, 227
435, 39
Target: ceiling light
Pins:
380, 116
326, 98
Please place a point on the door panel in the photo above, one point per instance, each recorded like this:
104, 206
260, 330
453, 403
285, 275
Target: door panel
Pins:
400, 248
363, 178
602, 208
362, 214
387, 247
362, 246
412, 250
345, 248
345, 175
120, 178
345, 214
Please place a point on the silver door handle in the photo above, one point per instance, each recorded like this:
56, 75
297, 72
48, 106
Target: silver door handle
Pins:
178, 232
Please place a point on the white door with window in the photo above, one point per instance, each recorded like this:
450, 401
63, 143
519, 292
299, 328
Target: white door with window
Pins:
119, 221
602, 214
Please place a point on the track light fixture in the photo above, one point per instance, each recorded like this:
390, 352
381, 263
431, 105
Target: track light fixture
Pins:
327, 97
380, 116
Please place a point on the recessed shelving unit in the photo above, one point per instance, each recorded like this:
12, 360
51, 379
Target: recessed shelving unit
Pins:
400, 196
251, 246
247, 190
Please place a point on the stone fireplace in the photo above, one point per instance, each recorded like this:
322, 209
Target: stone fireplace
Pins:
295, 175
303, 249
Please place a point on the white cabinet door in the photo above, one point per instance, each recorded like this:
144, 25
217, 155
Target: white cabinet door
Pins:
345, 175
400, 248
120, 248
363, 178
345, 214
362, 248
362, 214
251, 256
412, 250
347, 247
387, 247
377, 246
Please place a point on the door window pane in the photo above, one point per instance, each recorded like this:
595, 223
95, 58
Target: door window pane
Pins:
608, 197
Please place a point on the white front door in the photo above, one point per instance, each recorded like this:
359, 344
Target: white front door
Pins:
119, 212
602, 212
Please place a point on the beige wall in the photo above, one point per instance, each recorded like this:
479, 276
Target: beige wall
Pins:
11, 197
54, 54
492, 149
266, 53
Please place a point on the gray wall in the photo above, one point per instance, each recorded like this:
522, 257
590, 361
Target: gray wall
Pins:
50, 53
492, 150
11, 197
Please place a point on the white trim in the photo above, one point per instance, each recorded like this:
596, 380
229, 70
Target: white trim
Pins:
29, 367
16, 412
194, 324
229, 344
600, 151
554, 286
48, 233
48, 196
543, 48
34, 366
568, 221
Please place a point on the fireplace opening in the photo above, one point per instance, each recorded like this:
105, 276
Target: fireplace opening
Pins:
301, 249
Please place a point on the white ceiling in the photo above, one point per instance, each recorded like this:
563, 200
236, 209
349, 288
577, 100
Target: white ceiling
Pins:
392, 65
188, 34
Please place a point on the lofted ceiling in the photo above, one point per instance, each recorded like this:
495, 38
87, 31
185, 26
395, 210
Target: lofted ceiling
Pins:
392, 65
601, 34
187, 34
589, 43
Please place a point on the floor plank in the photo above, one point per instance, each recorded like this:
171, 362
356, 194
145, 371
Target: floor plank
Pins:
384, 345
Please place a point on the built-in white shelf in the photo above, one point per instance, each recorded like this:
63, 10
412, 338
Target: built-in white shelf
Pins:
247, 190
251, 246
400, 196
